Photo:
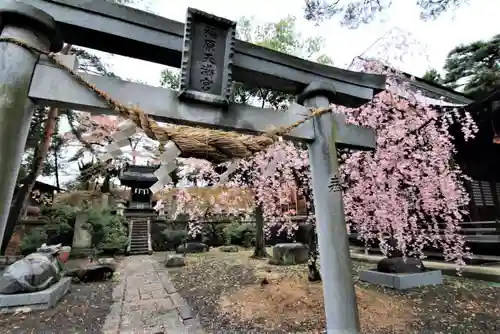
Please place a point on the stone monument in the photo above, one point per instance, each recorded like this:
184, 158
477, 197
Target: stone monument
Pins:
82, 238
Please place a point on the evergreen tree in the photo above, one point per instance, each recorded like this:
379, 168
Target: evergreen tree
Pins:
474, 68
433, 75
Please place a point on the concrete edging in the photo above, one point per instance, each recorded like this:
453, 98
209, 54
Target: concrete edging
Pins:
491, 274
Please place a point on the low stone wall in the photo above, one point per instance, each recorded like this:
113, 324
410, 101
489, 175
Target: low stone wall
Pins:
158, 226
23, 227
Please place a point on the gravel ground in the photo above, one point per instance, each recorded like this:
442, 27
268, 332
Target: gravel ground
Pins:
226, 290
82, 310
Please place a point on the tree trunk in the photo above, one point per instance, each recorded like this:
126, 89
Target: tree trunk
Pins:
260, 241
312, 264
58, 185
20, 204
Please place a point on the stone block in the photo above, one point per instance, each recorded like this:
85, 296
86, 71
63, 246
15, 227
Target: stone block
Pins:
402, 281
229, 249
192, 247
185, 312
289, 254
175, 261
400, 265
40, 300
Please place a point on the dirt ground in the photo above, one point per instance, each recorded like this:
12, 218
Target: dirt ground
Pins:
226, 291
82, 310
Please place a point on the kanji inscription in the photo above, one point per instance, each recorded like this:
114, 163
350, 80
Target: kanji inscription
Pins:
207, 57
334, 184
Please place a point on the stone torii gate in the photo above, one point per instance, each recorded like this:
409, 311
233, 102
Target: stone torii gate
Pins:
210, 59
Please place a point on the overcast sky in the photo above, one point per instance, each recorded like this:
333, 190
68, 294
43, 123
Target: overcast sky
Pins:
427, 43
430, 41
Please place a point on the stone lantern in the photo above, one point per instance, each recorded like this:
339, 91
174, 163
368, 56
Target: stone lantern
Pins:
120, 207
160, 208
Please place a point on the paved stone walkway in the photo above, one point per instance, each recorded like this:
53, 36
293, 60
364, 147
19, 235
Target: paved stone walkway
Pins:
146, 302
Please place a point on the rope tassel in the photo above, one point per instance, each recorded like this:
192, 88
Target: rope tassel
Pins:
168, 165
120, 138
231, 168
273, 164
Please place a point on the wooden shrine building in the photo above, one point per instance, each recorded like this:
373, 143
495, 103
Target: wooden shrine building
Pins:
479, 159
139, 178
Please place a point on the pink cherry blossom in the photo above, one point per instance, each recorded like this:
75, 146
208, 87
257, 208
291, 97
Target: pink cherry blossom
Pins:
408, 188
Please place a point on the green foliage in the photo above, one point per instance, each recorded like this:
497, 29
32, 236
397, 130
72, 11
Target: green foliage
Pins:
32, 240
474, 68
433, 75
59, 214
60, 233
58, 230
282, 36
168, 239
158, 241
35, 135
108, 231
169, 79
175, 238
213, 234
241, 234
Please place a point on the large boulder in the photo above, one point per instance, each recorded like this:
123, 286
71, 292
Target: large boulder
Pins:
399, 265
192, 247
289, 254
393, 251
175, 260
36, 272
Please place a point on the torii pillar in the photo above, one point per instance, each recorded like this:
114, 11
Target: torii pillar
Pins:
336, 269
36, 28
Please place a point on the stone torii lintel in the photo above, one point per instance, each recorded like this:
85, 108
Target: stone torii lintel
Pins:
54, 86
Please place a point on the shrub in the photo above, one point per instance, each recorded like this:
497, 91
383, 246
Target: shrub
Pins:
158, 240
218, 235
32, 240
59, 214
212, 234
58, 230
108, 231
60, 224
242, 234
175, 238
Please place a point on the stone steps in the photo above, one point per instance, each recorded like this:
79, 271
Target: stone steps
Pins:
139, 252
139, 238
139, 243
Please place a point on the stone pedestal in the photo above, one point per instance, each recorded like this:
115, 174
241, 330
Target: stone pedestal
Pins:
82, 238
35, 301
402, 281
289, 254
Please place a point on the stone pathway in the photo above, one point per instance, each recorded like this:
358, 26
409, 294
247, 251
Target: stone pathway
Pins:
146, 302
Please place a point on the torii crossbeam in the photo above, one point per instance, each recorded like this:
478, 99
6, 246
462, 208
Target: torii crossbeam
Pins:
211, 59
